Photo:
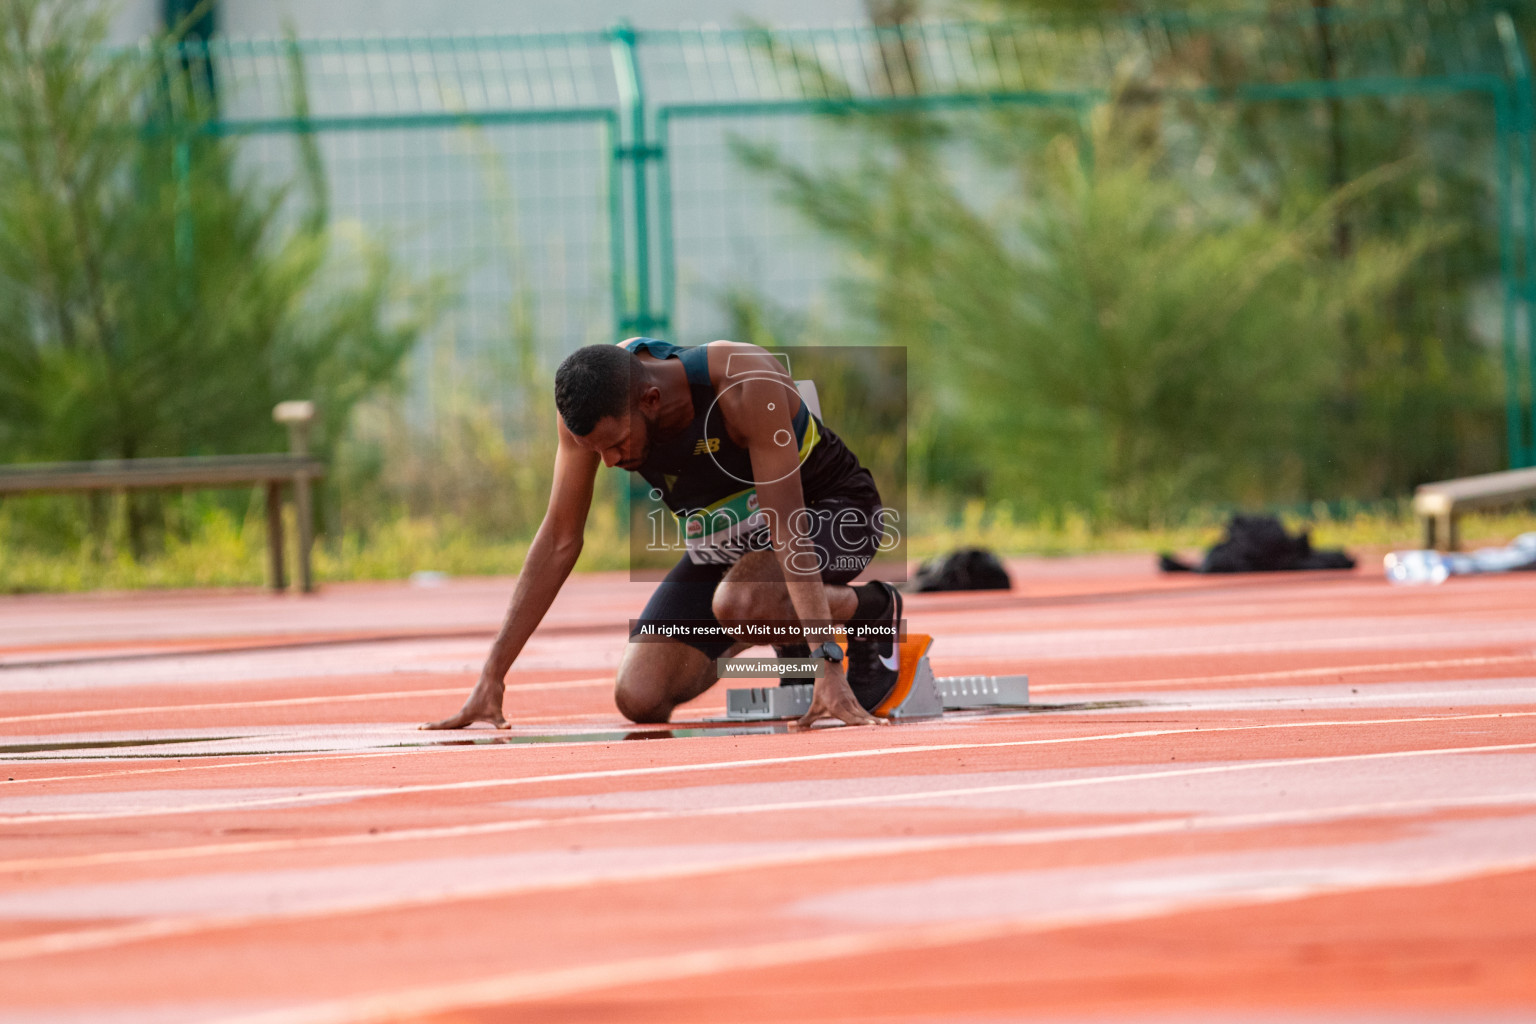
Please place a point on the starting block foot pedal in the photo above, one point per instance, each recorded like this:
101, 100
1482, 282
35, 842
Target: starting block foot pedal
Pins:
960, 692
917, 694
761, 703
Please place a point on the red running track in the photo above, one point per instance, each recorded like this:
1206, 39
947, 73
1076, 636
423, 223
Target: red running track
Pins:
1265, 799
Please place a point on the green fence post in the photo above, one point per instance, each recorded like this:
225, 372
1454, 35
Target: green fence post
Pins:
618, 277
667, 255
1084, 110
1517, 128
181, 170
639, 152
1522, 142
192, 24
1509, 284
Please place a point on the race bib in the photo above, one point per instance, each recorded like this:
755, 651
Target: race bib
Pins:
726, 530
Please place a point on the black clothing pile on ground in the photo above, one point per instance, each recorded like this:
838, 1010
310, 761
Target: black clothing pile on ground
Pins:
1260, 544
966, 569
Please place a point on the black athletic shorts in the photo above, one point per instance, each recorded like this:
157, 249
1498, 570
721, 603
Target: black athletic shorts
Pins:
844, 531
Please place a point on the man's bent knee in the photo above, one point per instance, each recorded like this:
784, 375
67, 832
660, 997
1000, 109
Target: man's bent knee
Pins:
642, 705
738, 604
732, 603
655, 677
646, 689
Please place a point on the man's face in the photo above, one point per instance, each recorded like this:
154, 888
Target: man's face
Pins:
623, 441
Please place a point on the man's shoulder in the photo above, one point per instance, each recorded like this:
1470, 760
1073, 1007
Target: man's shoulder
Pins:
639, 344
731, 362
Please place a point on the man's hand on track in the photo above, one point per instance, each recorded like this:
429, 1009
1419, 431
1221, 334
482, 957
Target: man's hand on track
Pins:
483, 705
833, 699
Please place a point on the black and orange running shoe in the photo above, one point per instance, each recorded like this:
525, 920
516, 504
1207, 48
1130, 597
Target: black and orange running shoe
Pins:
874, 664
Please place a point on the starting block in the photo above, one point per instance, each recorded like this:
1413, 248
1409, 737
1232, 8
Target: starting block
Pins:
917, 694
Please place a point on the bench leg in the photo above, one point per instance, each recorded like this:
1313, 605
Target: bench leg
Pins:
306, 532
275, 535
1442, 528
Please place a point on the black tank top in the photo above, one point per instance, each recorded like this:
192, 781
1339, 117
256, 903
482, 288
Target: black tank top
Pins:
701, 473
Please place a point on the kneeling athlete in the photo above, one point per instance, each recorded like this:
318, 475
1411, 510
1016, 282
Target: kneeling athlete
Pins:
779, 518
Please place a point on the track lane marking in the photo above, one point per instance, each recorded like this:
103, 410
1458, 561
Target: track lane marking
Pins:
608, 680
1300, 673
1500, 633
1408, 699
277, 702
345, 755
530, 986
333, 796
628, 817
213, 764
112, 936
372, 736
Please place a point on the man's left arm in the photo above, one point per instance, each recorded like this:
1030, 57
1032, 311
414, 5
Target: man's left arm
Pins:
760, 408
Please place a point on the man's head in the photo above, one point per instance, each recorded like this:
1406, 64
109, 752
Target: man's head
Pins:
600, 391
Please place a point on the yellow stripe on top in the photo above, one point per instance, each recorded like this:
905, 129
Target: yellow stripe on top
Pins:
740, 498
812, 435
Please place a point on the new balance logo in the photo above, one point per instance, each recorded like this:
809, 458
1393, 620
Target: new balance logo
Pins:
706, 444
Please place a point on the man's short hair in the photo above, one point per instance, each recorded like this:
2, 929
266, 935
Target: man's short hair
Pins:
594, 382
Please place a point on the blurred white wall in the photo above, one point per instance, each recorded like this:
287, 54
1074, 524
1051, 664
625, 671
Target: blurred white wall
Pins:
134, 19
239, 18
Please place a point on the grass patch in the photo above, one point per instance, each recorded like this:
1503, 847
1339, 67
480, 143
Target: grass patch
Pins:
1382, 526
226, 550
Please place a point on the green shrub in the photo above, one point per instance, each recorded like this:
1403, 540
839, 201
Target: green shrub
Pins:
154, 301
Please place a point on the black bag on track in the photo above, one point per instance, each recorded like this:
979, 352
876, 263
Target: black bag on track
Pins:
965, 569
1260, 544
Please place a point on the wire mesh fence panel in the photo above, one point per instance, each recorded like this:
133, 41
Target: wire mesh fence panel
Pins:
735, 237
513, 220
333, 80
481, 164
570, 187
741, 235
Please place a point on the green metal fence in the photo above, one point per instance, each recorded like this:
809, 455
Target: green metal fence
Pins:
586, 184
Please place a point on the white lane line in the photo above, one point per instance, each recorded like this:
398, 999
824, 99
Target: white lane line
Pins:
214, 762
280, 702
1128, 642
608, 680
232, 705
211, 764
335, 795
349, 736
111, 936
1300, 673
604, 680
1407, 698
529, 986
629, 817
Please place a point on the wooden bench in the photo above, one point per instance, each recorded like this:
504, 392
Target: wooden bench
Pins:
296, 468
1438, 505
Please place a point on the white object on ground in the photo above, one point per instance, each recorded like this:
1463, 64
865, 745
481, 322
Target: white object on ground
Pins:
1432, 567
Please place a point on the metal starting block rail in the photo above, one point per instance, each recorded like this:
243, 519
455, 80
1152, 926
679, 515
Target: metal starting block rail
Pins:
917, 694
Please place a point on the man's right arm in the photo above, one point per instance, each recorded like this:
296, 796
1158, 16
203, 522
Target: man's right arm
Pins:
551, 556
